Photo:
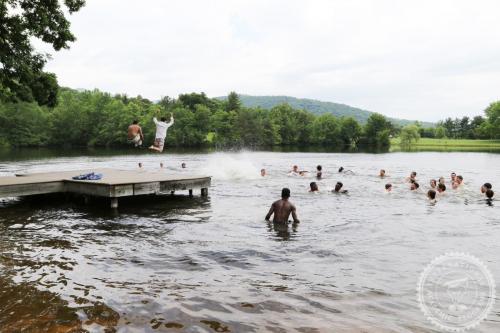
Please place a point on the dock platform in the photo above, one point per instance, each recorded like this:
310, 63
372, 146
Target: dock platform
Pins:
114, 184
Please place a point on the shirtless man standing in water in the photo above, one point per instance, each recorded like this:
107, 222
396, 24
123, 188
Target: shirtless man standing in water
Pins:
282, 209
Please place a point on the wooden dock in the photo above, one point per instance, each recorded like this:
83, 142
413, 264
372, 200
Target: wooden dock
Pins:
114, 184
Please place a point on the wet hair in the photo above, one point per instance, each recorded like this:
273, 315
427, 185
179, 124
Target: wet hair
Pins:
387, 186
163, 119
341, 169
285, 193
382, 170
442, 187
460, 177
453, 173
135, 122
319, 168
489, 193
338, 186
313, 186
414, 173
416, 185
412, 181
431, 194
487, 186
433, 181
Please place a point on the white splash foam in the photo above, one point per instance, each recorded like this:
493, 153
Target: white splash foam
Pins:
227, 167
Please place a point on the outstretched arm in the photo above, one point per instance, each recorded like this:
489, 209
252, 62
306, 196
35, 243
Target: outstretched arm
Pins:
271, 211
171, 122
294, 214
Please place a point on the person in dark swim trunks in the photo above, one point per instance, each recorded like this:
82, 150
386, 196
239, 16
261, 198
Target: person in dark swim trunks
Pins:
282, 209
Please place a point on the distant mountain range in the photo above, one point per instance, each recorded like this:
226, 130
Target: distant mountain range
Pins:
316, 107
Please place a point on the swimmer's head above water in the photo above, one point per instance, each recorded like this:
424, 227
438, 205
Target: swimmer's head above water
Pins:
414, 186
486, 187
313, 187
341, 169
263, 172
441, 187
431, 194
388, 187
338, 188
382, 173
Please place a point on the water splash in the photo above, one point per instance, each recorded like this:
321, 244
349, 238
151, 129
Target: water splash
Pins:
226, 167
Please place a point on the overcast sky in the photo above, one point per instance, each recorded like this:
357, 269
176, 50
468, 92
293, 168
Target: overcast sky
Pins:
423, 60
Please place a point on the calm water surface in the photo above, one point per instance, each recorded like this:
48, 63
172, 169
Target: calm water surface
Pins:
214, 265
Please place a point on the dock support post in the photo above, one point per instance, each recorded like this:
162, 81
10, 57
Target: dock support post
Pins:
172, 192
191, 192
204, 192
114, 203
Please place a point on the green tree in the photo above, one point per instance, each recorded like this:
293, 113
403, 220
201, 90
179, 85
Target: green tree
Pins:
377, 130
492, 124
440, 132
21, 71
409, 135
350, 131
326, 130
233, 102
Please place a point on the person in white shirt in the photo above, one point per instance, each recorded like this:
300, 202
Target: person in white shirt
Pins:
161, 132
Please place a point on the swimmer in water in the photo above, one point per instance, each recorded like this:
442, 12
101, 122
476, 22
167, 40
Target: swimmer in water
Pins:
263, 172
441, 188
313, 187
161, 165
381, 173
139, 165
183, 165
294, 171
319, 172
414, 186
458, 182
338, 188
303, 173
489, 194
412, 178
433, 184
486, 187
388, 187
431, 194
342, 170
453, 177
282, 209
441, 180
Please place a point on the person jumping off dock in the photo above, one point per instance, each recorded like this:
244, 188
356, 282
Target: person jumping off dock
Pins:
161, 132
134, 134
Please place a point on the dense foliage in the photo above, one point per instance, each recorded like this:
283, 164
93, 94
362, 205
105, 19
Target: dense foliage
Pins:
21, 68
466, 128
94, 118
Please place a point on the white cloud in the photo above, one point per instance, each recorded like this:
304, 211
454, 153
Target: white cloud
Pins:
421, 60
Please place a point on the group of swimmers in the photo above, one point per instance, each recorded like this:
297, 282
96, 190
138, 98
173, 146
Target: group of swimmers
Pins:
283, 208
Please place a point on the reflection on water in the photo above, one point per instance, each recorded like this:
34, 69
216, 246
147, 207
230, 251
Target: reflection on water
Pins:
180, 264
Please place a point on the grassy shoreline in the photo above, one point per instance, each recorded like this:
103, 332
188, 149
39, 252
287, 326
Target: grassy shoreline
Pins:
450, 143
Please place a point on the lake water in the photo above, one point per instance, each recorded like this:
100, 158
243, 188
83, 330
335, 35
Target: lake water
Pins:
214, 265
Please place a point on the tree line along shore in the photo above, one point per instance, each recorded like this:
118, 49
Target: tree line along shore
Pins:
99, 119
